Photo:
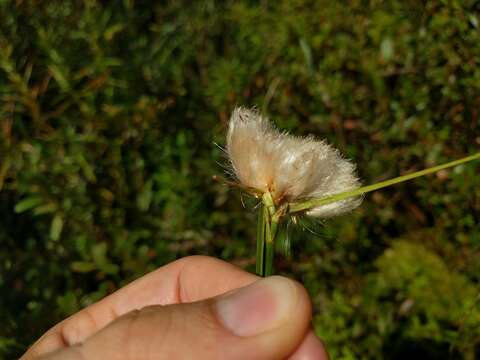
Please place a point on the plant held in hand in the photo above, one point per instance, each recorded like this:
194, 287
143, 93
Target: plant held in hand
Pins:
294, 175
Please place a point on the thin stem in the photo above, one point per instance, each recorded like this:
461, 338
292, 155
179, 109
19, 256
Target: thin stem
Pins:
260, 241
306, 205
270, 244
270, 229
269, 258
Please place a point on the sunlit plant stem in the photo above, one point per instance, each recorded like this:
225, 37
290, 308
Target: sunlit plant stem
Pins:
267, 229
303, 206
269, 217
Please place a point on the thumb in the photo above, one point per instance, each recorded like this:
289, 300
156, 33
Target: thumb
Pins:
265, 320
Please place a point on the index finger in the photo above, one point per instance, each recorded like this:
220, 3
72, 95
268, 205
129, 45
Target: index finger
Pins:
186, 280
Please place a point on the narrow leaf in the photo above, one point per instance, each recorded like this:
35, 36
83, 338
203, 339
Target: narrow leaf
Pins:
56, 227
295, 207
82, 266
27, 204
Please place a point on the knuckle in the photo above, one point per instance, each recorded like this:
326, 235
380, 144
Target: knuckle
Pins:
76, 330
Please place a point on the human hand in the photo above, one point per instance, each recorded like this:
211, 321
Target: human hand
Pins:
194, 308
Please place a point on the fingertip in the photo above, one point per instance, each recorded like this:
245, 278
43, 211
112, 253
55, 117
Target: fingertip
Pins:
310, 349
262, 306
272, 314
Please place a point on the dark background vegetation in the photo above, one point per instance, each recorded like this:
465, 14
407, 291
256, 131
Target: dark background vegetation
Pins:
110, 111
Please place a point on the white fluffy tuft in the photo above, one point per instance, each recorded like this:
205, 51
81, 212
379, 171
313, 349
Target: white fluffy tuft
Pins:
291, 168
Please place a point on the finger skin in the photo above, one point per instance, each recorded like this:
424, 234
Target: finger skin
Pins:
311, 348
195, 331
186, 280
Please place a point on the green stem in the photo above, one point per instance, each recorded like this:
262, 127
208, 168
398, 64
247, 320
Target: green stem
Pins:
260, 241
269, 258
306, 205
266, 231
270, 244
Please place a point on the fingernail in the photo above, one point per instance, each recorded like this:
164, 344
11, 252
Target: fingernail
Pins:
259, 307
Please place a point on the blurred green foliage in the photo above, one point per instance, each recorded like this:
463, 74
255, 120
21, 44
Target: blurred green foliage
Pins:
110, 112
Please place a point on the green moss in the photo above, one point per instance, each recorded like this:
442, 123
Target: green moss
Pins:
108, 117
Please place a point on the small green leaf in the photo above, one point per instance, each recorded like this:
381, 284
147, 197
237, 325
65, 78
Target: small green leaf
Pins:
67, 303
112, 31
82, 266
144, 198
44, 209
307, 53
110, 269
98, 253
87, 168
473, 20
60, 76
56, 227
27, 204
386, 48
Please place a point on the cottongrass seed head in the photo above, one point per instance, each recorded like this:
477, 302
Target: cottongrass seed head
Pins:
291, 168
